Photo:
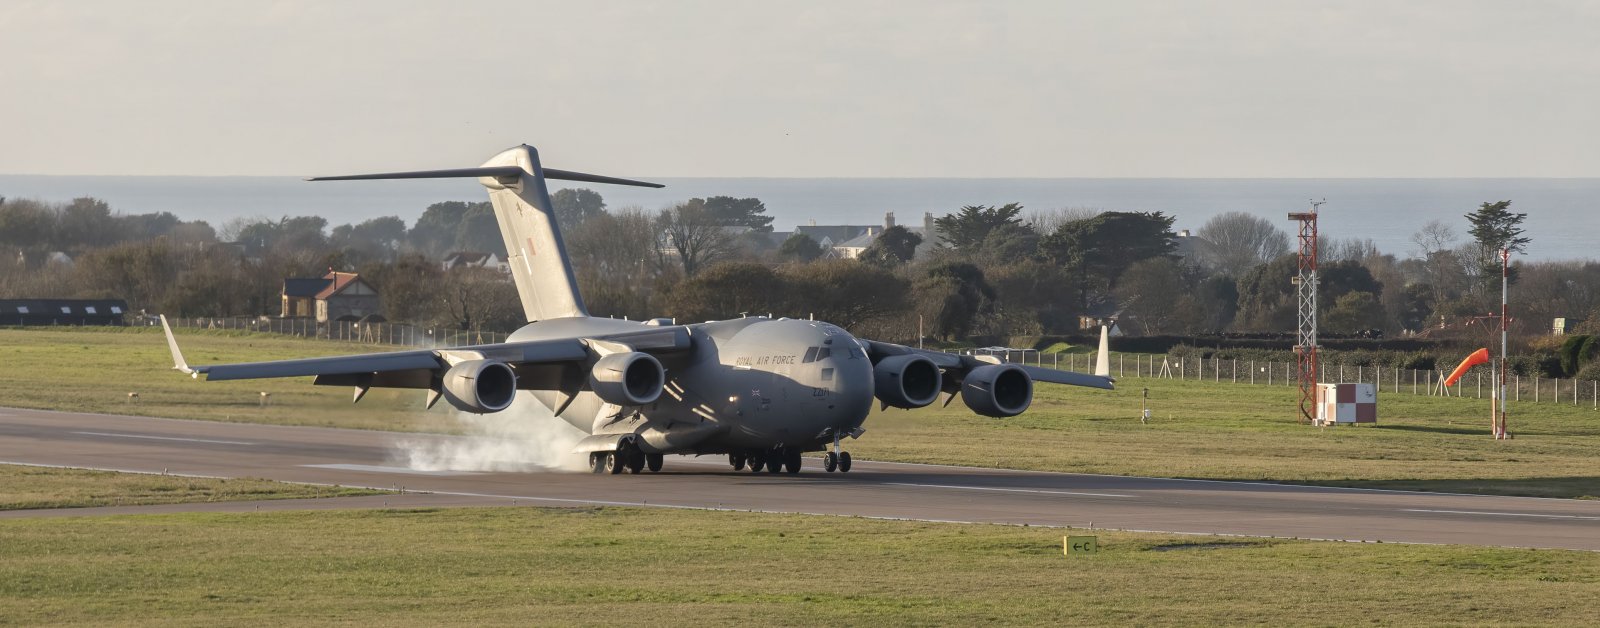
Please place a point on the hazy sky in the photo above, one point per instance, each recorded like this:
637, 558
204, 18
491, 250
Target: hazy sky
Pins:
1272, 88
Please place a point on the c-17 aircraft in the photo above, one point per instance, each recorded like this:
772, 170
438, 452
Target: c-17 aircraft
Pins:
761, 390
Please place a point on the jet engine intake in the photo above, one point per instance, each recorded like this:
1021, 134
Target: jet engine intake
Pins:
480, 386
906, 381
628, 379
997, 390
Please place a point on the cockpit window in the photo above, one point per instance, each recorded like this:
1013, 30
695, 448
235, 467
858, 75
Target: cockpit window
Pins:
811, 355
825, 353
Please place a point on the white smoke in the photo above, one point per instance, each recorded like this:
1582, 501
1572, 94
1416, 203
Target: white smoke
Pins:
525, 437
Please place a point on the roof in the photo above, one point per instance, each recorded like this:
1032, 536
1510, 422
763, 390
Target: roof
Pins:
861, 241
836, 233
62, 307
467, 257
337, 282
304, 286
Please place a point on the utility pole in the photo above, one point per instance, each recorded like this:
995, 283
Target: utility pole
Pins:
1305, 347
1505, 274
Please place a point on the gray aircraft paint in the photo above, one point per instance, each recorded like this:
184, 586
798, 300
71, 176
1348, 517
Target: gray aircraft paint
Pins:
746, 385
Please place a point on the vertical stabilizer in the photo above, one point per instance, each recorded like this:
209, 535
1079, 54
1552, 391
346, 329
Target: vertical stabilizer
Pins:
1102, 361
534, 250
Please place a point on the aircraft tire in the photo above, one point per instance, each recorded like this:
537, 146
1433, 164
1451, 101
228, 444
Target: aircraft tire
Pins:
830, 463
736, 461
597, 462
756, 462
614, 463
844, 462
775, 462
636, 461
792, 460
653, 462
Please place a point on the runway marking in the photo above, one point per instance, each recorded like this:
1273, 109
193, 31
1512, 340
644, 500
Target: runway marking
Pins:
380, 469
1006, 490
186, 440
1501, 514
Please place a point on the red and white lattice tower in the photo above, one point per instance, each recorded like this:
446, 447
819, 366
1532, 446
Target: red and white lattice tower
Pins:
1305, 348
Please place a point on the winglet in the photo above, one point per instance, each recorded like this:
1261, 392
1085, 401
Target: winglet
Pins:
177, 356
1102, 362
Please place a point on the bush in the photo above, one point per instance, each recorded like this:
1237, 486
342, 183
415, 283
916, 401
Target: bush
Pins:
1570, 352
1591, 371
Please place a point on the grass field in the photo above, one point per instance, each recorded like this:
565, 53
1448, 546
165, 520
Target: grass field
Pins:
638, 566
23, 487
1199, 430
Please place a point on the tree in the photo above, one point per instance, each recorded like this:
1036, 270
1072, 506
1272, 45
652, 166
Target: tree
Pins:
1148, 293
727, 290
952, 296
409, 288
738, 212
694, 234
1237, 242
437, 227
1267, 292
1097, 250
85, 224
477, 299
895, 246
1354, 312
1441, 266
480, 231
800, 248
25, 224
1031, 300
575, 206
845, 292
966, 229
1494, 227
613, 258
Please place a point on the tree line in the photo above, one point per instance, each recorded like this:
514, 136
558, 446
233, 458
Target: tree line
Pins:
985, 270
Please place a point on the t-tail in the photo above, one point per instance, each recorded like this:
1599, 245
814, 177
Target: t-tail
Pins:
535, 251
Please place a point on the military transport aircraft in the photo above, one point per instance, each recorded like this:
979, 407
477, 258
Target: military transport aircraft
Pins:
761, 390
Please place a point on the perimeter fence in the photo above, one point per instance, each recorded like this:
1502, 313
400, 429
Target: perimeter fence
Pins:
1476, 384
404, 334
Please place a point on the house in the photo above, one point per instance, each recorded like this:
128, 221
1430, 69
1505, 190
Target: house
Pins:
335, 296
474, 259
1564, 326
857, 238
62, 311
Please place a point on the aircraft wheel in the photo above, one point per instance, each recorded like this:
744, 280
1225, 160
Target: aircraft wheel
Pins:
775, 462
830, 462
653, 462
756, 462
792, 461
636, 461
615, 463
736, 461
844, 462
597, 461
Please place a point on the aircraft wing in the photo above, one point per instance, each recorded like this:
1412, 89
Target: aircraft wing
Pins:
958, 365
420, 368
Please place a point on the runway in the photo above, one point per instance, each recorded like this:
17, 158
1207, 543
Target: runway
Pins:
871, 489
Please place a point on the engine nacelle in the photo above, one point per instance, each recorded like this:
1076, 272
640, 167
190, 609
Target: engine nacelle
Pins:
997, 390
906, 381
480, 386
628, 379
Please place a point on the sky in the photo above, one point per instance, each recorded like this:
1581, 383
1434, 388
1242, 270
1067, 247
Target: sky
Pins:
823, 88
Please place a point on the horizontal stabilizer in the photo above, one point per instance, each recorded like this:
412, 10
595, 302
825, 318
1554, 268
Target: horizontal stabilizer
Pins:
491, 171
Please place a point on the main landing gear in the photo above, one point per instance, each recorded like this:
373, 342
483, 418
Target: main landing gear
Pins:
778, 460
627, 456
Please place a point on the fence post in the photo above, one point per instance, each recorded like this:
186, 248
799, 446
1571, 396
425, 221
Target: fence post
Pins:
1235, 368
1119, 364
1413, 382
1252, 371
1518, 384
1536, 389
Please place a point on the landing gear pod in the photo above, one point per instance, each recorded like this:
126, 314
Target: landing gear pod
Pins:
628, 379
906, 381
997, 390
480, 386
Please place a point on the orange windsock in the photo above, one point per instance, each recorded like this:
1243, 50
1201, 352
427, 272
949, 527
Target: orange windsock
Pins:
1480, 356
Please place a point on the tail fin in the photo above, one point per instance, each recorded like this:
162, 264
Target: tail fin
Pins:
535, 251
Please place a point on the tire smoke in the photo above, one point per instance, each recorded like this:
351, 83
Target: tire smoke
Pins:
525, 437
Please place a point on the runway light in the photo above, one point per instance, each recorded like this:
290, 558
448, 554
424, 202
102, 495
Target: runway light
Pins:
733, 399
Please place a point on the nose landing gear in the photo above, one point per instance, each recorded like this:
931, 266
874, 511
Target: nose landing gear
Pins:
836, 459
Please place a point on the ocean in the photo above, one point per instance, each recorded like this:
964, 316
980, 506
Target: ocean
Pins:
1562, 220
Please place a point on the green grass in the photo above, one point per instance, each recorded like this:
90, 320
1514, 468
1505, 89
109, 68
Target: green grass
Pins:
23, 487
526, 566
93, 370
1200, 429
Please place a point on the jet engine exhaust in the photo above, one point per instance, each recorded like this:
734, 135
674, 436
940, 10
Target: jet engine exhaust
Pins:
480, 386
997, 390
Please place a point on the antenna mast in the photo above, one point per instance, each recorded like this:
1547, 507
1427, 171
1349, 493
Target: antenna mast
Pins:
1305, 347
